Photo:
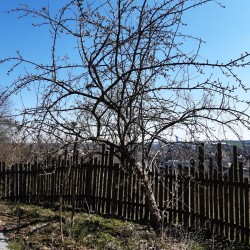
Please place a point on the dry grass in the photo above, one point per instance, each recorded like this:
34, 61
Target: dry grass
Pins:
39, 229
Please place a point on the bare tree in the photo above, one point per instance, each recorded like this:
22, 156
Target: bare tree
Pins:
129, 81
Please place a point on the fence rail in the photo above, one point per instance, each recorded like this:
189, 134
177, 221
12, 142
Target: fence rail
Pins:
190, 196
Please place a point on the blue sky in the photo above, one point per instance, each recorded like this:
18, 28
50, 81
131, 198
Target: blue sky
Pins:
225, 30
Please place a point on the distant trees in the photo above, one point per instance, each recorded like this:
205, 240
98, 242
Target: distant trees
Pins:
129, 80
13, 148
6, 127
4, 117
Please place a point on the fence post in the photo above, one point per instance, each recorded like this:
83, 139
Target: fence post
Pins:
88, 188
12, 182
220, 174
180, 194
115, 189
19, 170
247, 211
110, 174
242, 214
236, 191
186, 206
201, 185
192, 194
231, 202
101, 171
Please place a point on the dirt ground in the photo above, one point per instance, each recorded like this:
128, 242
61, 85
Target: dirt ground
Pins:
29, 227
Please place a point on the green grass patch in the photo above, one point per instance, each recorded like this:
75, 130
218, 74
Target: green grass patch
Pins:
40, 228
15, 245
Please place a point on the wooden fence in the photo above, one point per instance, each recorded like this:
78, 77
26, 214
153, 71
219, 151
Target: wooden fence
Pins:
190, 197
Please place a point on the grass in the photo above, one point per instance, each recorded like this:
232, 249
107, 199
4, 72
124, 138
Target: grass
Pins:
40, 230
16, 245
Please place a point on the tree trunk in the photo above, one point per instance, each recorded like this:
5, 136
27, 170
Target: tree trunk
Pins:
155, 214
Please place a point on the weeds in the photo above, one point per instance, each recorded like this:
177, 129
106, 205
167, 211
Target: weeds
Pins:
40, 229
15, 245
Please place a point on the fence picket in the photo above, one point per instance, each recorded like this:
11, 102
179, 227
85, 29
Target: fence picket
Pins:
226, 214
192, 197
247, 211
231, 203
220, 183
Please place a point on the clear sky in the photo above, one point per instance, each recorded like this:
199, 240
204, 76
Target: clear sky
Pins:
225, 30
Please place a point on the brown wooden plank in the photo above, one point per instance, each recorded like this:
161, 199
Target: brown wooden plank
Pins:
201, 186
7, 188
137, 187
207, 192
121, 192
186, 205
83, 183
192, 196
129, 195
115, 188
197, 200
104, 192
133, 205
172, 195
102, 163
211, 193
247, 228
59, 189
12, 183
34, 181
28, 183
19, 181
161, 190
226, 204
2, 181
220, 184
156, 185
236, 193
15, 180
80, 184
97, 185
180, 195
231, 203
242, 214
53, 184
68, 171
110, 180
88, 188
24, 172
109, 189
125, 207
94, 186
142, 200
166, 195
146, 211
101, 171
216, 201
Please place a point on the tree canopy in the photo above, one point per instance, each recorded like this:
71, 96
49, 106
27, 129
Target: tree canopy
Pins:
131, 78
